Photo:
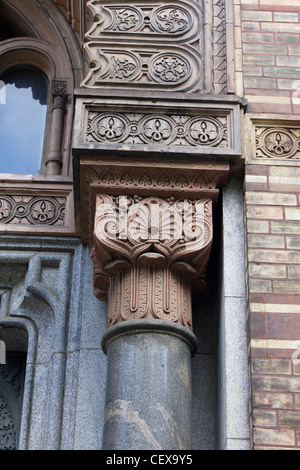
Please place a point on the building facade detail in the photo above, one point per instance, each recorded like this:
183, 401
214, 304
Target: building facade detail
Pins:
278, 142
30, 210
150, 267
159, 129
150, 245
161, 47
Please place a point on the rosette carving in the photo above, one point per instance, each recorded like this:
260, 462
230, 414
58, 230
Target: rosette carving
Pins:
147, 253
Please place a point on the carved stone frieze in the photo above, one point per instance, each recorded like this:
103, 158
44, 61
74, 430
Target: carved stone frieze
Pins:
179, 19
277, 142
150, 245
32, 210
36, 205
179, 130
162, 125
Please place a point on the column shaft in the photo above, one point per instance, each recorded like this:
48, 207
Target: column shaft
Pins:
148, 402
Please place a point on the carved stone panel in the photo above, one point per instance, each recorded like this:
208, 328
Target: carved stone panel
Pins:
141, 124
159, 45
8, 438
150, 20
36, 206
11, 391
154, 46
32, 210
277, 142
164, 129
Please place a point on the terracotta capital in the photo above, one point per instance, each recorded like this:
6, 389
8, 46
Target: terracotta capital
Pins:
148, 251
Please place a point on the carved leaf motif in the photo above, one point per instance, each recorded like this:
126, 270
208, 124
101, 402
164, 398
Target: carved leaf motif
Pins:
122, 68
126, 19
157, 129
161, 241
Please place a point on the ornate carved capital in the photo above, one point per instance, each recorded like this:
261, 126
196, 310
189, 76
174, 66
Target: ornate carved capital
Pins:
147, 253
59, 93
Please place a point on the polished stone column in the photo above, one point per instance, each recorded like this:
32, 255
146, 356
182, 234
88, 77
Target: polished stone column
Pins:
148, 402
148, 252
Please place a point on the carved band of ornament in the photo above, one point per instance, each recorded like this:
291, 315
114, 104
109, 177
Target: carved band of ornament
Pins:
149, 245
280, 143
178, 68
59, 93
32, 210
182, 130
154, 178
172, 19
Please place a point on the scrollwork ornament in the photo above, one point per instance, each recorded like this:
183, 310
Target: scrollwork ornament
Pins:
108, 127
204, 131
32, 210
157, 129
279, 143
126, 19
171, 19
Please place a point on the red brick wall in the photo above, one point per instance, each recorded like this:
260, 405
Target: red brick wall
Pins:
273, 239
270, 55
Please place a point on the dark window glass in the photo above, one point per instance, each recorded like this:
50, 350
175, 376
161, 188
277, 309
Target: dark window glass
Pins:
23, 106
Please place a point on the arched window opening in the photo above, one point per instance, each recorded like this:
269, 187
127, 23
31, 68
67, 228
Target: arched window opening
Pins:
23, 109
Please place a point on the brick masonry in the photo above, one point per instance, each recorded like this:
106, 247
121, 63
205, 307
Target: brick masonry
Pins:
267, 63
272, 214
268, 54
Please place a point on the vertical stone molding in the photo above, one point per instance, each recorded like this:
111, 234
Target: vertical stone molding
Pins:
147, 253
59, 95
